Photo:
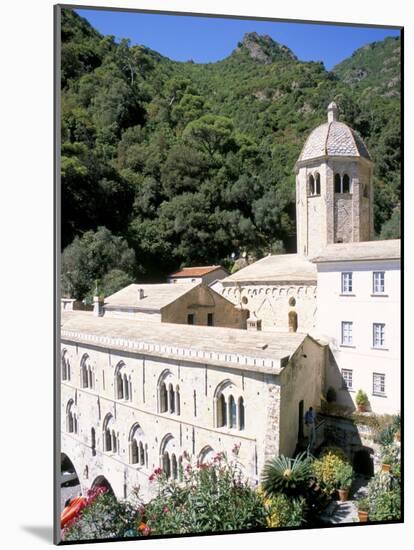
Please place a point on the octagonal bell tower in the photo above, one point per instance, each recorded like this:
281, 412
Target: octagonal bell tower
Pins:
334, 192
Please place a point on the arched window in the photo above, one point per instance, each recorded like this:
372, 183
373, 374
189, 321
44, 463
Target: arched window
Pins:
221, 411
65, 366
168, 453
134, 452
174, 470
180, 469
168, 397
293, 321
206, 455
317, 184
229, 410
177, 401
163, 397
141, 454
346, 186
126, 387
171, 399
86, 373
232, 412
166, 464
138, 449
71, 418
241, 413
311, 185
93, 441
108, 436
119, 386
337, 183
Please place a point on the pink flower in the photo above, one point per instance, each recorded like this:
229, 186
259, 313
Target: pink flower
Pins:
146, 531
166, 510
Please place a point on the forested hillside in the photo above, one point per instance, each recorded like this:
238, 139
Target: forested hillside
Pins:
167, 163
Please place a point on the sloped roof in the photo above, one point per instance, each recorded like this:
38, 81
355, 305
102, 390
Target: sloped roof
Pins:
156, 296
365, 250
196, 271
277, 268
213, 345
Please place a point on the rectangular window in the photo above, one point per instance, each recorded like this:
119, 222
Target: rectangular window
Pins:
347, 333
210, 319
378, 282
378, 384
347, 282
190, 319
378, 335
347, 378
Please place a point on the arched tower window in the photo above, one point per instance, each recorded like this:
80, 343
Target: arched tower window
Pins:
337, 183
171, 399
311, 185
317, 184
346, 186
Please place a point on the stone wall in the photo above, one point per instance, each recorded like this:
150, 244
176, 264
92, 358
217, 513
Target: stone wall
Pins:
270, 303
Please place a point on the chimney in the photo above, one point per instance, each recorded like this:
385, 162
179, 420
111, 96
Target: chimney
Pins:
98, 303
253, 323
141, 294
332, 112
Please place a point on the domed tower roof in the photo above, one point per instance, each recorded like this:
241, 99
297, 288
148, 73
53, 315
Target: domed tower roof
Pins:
333, 138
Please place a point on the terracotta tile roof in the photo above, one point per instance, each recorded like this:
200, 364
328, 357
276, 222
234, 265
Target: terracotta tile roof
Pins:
195, 271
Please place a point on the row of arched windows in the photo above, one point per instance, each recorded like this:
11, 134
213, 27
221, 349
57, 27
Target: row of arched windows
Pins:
342, 184
229, 412
168, 394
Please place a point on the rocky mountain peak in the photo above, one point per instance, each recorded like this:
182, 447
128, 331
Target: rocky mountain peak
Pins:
263, 48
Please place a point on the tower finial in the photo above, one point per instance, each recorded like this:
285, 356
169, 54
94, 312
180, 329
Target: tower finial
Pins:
332, 111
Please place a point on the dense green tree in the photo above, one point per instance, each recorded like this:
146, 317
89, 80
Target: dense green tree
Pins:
191, 163
94, 257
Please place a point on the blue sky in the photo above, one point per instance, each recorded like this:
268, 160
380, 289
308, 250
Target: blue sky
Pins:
207, 39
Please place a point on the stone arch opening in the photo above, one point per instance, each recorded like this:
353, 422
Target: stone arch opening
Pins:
293, 321
363, 462
68, 473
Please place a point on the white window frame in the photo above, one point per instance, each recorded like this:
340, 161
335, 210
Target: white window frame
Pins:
347, 379
378, 335
347, 333
346, 282
378, 383
378, 287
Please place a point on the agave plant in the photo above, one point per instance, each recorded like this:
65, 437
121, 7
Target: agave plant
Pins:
289, 476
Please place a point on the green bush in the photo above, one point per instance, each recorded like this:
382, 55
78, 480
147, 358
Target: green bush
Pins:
283, 511
103, 517
212, 497
324, 469
386, 506
344, 475
286, 475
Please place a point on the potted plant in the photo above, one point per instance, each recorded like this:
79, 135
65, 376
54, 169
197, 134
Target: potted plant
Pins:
388, 457
363, 509
344, 477
361, 400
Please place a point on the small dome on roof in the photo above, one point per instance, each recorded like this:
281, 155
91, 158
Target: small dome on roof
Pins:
333, 138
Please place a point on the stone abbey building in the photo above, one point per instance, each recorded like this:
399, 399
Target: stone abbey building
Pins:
201, 365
